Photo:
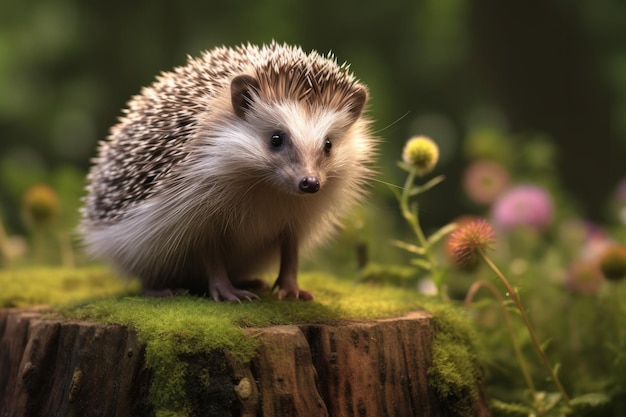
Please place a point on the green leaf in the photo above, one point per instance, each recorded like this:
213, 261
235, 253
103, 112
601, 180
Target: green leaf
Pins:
544, 347
511, 409
546, 401
421, 263
425, 187
408, 247
441, 233
593, 399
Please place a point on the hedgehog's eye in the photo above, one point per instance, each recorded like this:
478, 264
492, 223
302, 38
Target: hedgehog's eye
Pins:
277, 139
327, 146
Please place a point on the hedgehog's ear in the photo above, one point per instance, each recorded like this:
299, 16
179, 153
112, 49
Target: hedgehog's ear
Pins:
356, 103
242, 89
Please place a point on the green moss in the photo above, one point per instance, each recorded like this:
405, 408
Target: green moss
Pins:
23, 287
397, 275
457, 358
177, 327
172, 328
180, 327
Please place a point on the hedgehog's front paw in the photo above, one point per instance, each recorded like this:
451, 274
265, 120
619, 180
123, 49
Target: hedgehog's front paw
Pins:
284, 293
288, 288
223, 290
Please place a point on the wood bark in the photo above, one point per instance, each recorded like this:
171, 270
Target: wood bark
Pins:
372, 368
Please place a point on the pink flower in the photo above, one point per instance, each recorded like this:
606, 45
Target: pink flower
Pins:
484, 181
524, 205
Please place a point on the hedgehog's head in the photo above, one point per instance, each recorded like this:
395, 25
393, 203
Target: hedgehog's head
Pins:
308, 130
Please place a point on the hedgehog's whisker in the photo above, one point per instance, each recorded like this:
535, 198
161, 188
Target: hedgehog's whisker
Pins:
387, 183
393, 123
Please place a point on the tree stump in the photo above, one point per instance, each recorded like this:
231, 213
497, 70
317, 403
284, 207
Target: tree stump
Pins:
358, 368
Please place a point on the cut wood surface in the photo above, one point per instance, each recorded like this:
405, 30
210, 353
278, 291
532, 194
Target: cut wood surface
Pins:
373, 368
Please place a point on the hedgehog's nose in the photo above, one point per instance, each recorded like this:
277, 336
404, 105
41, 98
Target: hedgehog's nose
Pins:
309, 185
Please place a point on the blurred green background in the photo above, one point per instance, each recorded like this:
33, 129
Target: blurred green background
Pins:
548, 72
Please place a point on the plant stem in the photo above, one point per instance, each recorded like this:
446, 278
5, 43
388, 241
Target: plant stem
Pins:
404, 206
412, 217
513, 294
509, 325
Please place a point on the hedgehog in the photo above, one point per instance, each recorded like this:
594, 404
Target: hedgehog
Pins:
241, 159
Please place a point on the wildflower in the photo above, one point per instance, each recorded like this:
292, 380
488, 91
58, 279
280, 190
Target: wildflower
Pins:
613, 262
484, 181
473, 241
469, 241
524, 205
583, 276
40, 205
420, 154
459, 222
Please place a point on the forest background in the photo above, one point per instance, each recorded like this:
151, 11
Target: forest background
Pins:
547, 72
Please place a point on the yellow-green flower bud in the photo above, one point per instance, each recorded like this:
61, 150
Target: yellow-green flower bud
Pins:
40, 206
420, 154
